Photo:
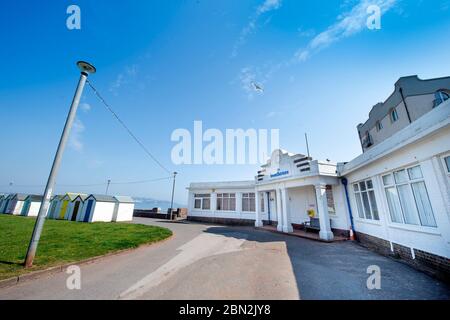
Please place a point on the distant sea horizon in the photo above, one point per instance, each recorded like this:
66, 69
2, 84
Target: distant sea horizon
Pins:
143, 203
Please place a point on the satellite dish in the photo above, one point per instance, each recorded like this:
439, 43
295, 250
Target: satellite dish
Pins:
86, 67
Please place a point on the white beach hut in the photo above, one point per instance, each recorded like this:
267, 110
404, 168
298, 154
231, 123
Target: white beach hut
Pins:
98, 208
124, 209
16, 203
32, 205
76, 207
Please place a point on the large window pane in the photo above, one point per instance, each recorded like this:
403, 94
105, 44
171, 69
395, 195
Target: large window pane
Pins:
198, 204
423, 204
447, 162
206, 204
373, 203
394, 205
366, 205
407, 202
359, 204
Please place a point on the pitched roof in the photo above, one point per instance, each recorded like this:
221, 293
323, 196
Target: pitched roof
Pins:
82, 197
103, 198
20, 196
124, 199
35, 198
72, 196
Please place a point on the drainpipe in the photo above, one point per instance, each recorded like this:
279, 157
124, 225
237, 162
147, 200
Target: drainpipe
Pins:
406, 106
345, 183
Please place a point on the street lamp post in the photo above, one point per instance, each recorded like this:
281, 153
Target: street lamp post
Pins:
85, 69
173, 192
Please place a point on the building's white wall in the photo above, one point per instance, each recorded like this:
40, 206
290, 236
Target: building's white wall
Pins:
213, 213
123, 212
301, 200
424, 153
103, 212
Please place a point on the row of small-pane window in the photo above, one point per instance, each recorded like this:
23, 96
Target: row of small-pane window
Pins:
365, 200
225, 202
408, 199
202, 201
248, 202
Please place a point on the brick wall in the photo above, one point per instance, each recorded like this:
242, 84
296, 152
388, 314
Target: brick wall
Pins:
433, 265
224, 221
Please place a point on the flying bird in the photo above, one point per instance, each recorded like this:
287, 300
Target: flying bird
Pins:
257, 87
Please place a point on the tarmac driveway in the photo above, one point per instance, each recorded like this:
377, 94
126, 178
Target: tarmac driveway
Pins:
216, 262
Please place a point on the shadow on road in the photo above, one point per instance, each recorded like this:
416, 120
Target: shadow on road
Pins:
336, 271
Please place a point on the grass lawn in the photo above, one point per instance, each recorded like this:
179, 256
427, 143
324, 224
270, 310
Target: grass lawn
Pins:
66, 242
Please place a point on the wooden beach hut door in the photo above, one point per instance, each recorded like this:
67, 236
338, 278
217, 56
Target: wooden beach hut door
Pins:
75, 211
87, 215
64, 206
25, 208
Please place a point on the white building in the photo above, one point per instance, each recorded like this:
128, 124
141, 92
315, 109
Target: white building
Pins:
286, 190
124, 209
395, 196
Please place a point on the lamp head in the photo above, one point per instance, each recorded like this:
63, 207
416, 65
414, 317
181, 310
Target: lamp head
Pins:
86, 67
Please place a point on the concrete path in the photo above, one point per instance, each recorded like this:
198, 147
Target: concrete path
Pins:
214, 262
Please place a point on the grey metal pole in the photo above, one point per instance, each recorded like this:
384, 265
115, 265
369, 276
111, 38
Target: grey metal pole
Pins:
173, 192
85, 70
307, 145
107, 187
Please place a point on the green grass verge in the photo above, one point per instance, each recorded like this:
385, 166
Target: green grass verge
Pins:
66, 242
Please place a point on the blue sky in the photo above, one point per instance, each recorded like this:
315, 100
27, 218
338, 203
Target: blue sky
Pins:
164, 64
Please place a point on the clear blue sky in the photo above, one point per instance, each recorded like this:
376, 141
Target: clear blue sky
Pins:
163, 64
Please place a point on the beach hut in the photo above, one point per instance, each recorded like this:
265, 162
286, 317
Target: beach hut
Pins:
5, 203
3, 200
15, 204
32, 205
64, 206
76, 206
124, 209
53, 210
98, 208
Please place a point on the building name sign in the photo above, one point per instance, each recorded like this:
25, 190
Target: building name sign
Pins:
279, 174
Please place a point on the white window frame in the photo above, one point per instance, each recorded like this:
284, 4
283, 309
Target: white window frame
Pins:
391, 115
202, 197
248, 197
359, 193
409, 183
379, 126
330, 192
444, 162
221, 197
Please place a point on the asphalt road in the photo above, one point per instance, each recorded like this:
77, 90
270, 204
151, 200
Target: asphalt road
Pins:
216, 262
